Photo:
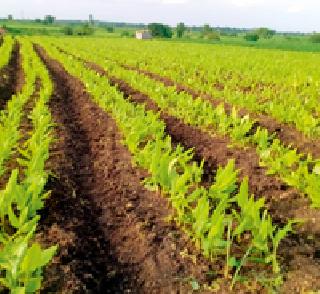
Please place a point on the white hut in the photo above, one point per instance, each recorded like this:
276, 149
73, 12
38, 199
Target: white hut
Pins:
143, 35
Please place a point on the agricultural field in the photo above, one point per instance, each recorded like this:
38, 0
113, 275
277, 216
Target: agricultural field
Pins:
133, 166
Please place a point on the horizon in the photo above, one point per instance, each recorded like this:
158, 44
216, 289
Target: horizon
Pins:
146, 24
283, 16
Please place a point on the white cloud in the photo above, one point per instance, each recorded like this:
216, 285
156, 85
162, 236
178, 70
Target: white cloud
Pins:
167, 1
174, 1
295, 8
247, 3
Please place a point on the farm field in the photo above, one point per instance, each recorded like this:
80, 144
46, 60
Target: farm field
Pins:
158, 167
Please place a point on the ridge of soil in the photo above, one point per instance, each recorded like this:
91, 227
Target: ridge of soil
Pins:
25, 128
111, 231
215, 151
303, 251
11, 76
287, 133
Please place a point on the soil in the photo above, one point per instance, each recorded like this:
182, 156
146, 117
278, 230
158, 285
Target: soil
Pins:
112, 233
11, 77
297, 251
25, 128
287, 133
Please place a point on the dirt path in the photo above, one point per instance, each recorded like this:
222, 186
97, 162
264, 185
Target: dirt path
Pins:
11, 77
111, 231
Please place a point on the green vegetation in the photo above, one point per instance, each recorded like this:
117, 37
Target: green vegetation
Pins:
181, 28
22, 259
205, 214
5, 51
160, 30
291, 166
315, 38
253, 37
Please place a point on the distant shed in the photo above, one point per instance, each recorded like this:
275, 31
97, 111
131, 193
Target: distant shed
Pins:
143, 35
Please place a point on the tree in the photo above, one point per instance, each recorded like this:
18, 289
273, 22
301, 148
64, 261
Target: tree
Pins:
126, 34
181, 28
160, 30
91, 21
84, 30
110, 29
209, 33
251, 36
49, 19
68, 30
265, 33
10, 17
206, 29
315, 38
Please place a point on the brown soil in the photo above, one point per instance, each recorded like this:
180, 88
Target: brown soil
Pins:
25, 128
11, 77
216, 152
111, 231
287, 133
297, 251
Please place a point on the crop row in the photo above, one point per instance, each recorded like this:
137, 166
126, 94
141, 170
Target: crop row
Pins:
5, 51
252, 81
295, 169
220, 218
22, 259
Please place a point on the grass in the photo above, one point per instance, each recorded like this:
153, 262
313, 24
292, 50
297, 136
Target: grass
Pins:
289, 43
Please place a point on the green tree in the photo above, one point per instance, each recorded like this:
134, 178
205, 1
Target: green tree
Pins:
49, 19
181, 28
68, 30
84, 30
110, 29
160, 30
315, 38
91, 20
265, 33
251, 36
206, 29
209, 33
10, 17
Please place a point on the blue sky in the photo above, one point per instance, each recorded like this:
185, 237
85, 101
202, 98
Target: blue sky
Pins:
293, 15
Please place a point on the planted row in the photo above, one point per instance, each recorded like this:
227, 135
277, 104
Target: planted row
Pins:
223, 220
296, 170
252, 81
22, 259
5, 51
11, 116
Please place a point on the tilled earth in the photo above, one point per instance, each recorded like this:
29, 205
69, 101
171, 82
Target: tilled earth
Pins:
111, 231
113, 234
299, 251
11, 77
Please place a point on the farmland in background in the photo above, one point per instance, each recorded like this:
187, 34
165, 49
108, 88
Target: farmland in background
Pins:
282, 41
158, 166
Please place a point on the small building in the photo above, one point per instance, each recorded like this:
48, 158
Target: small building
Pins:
143, 35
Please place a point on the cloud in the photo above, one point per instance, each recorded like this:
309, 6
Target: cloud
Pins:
174, 1
295, 8
247, 3
167, 2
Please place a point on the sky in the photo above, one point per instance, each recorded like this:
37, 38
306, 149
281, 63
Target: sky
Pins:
282, 15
